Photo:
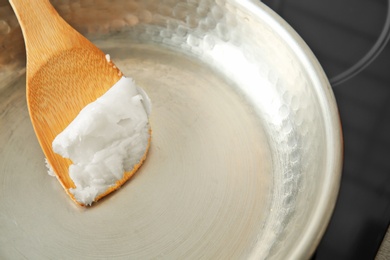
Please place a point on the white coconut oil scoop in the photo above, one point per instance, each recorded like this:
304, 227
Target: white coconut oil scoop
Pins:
91, 122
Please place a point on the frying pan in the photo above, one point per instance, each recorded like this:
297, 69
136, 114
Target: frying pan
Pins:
246, 151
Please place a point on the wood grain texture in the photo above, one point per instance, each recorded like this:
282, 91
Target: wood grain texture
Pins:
65, 72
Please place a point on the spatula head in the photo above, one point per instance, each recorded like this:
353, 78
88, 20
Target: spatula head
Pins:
59, 90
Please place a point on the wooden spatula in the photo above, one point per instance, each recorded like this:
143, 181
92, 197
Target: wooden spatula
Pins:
65, 72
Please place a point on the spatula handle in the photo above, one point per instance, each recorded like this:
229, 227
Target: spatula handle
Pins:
45, 32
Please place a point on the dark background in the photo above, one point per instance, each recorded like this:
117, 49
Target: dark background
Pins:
344, 34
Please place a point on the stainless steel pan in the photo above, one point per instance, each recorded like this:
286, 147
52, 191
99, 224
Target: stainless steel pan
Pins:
246, 151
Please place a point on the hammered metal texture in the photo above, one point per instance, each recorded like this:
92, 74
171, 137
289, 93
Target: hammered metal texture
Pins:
246, 151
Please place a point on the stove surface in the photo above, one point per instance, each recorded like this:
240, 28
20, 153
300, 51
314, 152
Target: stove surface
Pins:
349, 38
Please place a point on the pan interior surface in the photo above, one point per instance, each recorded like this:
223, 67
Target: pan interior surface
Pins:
245, 154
